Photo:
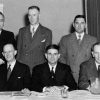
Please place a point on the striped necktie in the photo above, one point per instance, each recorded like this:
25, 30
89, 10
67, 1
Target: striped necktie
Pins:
79, 39
8, 72
33, 31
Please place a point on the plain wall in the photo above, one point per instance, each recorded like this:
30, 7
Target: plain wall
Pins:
55, 14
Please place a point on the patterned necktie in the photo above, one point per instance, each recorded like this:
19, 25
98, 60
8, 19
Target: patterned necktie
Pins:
99, 71
79, 39
8, 72
33, 31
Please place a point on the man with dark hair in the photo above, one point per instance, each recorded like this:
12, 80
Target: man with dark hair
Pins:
5, 37
14, 76
52, 73
89, 76
33, 39
79, 16
75, 48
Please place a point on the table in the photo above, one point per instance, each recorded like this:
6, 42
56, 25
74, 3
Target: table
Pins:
73, 95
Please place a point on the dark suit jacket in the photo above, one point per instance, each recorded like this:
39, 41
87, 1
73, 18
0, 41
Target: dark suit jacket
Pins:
42, 77
19, 78
31, 50
74, 54
88, 71
5, 37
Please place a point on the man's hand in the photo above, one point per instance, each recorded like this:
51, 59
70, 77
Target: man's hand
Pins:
1, 61
26, 91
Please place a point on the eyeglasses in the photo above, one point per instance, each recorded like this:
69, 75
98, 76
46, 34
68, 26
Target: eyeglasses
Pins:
8, 52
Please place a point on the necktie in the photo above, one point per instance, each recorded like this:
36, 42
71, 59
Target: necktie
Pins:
79, 39
99, 71
52, 72
33, 31
8, 72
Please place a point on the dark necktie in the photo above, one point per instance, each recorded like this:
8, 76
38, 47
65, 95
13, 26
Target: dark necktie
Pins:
99, 71
8, 72
52, 72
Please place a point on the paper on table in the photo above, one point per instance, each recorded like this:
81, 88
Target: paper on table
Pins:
19, 93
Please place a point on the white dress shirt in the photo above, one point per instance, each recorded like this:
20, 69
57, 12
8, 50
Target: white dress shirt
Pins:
97, 65
81, 34
54, 67
12, 64
35, 27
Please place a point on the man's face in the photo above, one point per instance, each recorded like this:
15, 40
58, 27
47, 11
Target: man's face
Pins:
52, 56
1, 22
33, 15
96, 53
79, 25
9, 52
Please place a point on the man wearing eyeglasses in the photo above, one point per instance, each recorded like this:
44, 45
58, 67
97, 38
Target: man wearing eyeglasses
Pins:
14, 76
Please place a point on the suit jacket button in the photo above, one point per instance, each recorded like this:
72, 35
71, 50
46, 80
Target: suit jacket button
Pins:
72, 55
26, 54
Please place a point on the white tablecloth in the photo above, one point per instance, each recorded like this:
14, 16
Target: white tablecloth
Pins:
73, 95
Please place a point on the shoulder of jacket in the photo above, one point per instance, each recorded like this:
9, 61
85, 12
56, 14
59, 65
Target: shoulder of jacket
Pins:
91, 37
45, 28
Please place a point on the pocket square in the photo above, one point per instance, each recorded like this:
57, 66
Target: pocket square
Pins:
18, 77
43, 40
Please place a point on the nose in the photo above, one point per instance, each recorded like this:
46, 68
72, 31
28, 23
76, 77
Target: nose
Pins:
79, 25
52, 55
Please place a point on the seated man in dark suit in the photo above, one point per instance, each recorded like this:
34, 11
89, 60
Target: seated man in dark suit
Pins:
89, 76
52, 73
14, 76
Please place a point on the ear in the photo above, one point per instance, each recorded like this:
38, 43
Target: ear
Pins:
58, 55
15, 52
46, 55
92, 53
2, 53
85, 25
73, 24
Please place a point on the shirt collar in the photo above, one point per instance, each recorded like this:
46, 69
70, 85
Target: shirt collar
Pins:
97, 65
82, 34
35, 27
54, 67
12, 64
0, 31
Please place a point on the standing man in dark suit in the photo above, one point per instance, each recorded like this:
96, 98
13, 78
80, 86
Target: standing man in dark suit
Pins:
75, 48
33, 39
5, 37
90, 70
52, 73
14, 76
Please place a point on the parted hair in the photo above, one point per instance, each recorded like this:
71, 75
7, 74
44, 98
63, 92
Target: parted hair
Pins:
52, 46
34, 7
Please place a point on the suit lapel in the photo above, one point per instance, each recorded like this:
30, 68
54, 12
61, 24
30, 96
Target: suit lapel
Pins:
74, 46
93, 70
58, 70
46, 72
84, 42
5, 72
27, 37
79, 48
38, 37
